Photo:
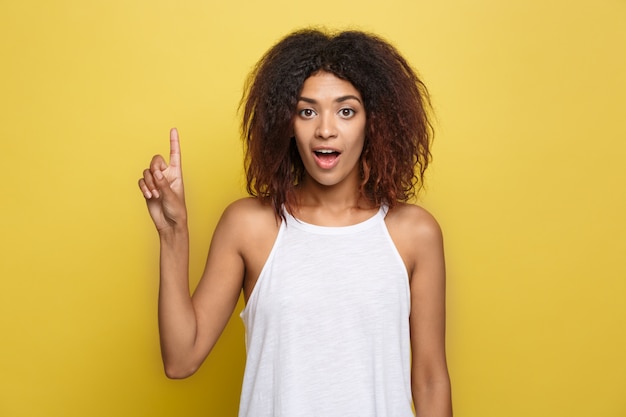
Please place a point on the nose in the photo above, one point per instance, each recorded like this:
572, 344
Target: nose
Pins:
326, 128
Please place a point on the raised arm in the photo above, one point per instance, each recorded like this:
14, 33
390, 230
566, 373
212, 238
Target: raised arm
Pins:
188, 327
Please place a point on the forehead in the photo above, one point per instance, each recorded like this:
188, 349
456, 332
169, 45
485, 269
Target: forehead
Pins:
323, 84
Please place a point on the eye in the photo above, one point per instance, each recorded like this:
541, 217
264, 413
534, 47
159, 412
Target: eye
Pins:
346, 112
307, 113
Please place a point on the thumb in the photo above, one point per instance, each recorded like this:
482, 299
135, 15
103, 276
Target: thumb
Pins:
166, 192
171, 203
163, 185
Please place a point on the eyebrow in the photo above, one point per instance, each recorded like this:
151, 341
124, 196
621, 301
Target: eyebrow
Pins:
337, 100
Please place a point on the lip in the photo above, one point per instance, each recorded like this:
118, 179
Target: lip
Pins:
325, 148
328, 162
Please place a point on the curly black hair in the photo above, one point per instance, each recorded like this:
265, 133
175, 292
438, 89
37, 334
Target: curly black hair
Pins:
398, 131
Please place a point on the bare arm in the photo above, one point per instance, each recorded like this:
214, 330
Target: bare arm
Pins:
419, 241
188, 327
429, 375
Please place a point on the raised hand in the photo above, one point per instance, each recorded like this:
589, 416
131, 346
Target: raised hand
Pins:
162, 187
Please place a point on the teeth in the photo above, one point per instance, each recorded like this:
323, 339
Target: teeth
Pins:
325, 151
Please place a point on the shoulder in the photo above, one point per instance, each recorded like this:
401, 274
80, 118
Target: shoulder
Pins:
251, 225
249, 209
249, 216
415, 232
413, 221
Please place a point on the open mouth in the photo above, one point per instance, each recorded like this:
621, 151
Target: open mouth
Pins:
326, 158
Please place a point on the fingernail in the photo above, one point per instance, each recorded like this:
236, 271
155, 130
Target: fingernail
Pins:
155, 193
147, 194
158, 174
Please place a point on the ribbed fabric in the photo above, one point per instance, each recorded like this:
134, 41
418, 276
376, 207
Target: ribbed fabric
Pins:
327, 325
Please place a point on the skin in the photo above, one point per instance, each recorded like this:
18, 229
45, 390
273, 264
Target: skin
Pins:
330, 115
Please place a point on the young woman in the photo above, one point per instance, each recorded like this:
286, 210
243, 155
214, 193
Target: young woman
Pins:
344, 281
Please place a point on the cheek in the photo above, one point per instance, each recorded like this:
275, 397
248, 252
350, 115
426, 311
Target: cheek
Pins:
300, 146
358, 134
360, 141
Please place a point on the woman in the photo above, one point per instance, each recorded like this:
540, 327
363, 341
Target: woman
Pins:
344, 281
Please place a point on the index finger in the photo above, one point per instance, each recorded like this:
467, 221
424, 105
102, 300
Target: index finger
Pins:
174, 148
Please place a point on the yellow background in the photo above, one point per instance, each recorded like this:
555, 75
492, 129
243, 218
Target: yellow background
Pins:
527, 182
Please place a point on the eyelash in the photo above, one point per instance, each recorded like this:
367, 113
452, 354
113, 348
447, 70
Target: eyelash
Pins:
341, 112
351, 111
304, 111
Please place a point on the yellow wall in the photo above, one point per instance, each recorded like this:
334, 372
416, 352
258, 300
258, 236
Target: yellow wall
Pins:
528, 183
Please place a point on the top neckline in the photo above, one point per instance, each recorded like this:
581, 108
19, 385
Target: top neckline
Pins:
332, 230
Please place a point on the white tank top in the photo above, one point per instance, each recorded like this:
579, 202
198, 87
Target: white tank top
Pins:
327, 325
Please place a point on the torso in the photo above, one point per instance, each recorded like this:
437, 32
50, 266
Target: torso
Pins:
262, 225
329, 313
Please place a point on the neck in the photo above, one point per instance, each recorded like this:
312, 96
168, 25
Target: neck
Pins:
312, 193
335, 198
331, 206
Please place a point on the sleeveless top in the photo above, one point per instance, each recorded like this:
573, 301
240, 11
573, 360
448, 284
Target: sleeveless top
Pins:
327, 325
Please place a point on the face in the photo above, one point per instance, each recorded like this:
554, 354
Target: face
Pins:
329, 127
